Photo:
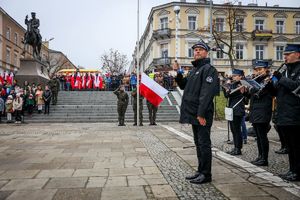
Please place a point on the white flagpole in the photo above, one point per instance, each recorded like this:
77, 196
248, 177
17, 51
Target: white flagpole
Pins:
138, 65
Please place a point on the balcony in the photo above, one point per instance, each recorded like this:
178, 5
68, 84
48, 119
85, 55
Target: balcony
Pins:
161, 62
162, 34
262, 35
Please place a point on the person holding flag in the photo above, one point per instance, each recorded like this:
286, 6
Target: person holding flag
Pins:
197, 108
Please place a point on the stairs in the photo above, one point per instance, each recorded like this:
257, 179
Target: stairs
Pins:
98, 106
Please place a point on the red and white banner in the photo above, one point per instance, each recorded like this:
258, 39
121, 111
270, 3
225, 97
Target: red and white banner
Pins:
152, 91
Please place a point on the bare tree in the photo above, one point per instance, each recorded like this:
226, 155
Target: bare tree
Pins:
55, 62
225, 38
114, 61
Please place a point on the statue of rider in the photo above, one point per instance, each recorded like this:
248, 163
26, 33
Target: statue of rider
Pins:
34, 23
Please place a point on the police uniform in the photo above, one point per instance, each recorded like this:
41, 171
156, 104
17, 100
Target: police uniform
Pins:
54, 87
288, 111
123, 100
134, 96
197, 101
261, 113
236, 102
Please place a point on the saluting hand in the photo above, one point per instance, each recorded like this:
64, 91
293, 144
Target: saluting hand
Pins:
202, 121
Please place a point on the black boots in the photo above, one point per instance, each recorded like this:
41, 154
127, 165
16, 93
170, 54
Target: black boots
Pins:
235, 152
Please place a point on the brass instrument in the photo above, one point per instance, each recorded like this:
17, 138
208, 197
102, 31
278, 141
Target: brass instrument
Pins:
247, 78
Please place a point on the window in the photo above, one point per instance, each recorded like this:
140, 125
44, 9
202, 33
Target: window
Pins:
239, 51
164, 50
16, 38
7, 55
259, 24
259, 52
220, 53
297, 27
192, 22
191, 52
279, 26
15, 58
220, 24
164, 23
279, 52
8, 33
239, 25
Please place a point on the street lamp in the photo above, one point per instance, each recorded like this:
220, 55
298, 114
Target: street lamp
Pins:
176, 10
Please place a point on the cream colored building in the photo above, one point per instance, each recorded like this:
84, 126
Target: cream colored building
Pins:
276, 26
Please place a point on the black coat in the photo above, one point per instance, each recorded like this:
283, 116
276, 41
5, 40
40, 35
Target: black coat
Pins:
199, 87
288, 105
47, 95
261, 103
234, 98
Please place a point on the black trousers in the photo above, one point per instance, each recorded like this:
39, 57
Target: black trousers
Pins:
262, 130
236, 130
292, 136
281, 137
152, 113
18, 115
47, 107
203, 147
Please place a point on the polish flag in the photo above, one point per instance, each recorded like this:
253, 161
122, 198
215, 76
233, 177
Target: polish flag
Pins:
152, 91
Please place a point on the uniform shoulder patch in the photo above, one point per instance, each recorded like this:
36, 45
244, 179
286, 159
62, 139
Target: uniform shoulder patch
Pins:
209, 79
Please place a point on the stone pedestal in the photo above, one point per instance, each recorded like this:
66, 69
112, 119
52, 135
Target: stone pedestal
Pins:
33, 71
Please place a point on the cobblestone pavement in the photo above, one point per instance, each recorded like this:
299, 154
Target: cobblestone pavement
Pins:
278, 164
104, 161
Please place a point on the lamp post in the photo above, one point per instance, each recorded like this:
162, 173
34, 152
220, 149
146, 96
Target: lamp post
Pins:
46, 43
176, 10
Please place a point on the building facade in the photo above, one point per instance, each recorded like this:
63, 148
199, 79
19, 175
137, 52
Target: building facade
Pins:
265, 31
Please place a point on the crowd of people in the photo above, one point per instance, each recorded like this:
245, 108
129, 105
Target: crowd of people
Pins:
98, 81
17, 99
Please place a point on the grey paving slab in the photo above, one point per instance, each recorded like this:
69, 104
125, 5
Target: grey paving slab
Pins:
32, 194
96, 182
163, 191
55, 173
78, 182
115, 181
123, 193
25, 184
77, 165
5, 194
14, 174
90, 172
125, 171
78, 194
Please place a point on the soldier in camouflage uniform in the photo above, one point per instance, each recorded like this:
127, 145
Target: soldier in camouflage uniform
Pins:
122, 103
152, 113
134, 106
54, 86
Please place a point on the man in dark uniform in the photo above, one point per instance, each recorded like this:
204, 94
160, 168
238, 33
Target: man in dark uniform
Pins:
134, 106
288, 108
122, 103
236, 102
152, 113
197, 108
54, 86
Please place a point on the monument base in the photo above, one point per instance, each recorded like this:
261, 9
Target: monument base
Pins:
33, 71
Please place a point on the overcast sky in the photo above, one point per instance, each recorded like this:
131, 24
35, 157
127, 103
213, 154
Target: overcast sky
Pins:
83, 30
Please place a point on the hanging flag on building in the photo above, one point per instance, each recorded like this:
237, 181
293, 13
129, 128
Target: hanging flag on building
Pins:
152, 91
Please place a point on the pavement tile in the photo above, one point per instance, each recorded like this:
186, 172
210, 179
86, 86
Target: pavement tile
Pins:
77, 165
5, 194
125, 171
32, 195
151, 170
241, 190
78, 182
90, 172
24, 184
114, 181
14, 174
163, 191
96, 182
123, 193
56, 173
78, 194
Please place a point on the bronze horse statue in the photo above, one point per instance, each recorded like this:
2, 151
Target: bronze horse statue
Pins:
31, 38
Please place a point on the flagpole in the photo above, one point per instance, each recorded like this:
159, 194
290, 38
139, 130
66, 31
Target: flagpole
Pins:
138, 65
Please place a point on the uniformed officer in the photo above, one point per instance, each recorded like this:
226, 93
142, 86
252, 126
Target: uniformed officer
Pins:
123, 100
134, 106
236, 102
152, 113
261, 110
54, 86
288, 108
197, 108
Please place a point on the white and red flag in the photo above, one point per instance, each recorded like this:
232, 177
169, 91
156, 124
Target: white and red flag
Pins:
152, 91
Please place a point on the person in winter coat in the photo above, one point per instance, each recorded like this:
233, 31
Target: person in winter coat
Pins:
47, 95
9, 108
17, 106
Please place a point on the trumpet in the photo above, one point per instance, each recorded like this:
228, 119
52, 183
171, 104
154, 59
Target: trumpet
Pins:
246, 78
